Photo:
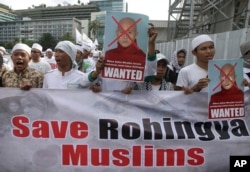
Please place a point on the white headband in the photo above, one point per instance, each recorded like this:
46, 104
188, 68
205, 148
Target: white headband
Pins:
199, 40
37, 46
3, 49
79, 47
69, 48
21, 46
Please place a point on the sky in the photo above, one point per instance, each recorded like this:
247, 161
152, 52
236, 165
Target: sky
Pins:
155, 9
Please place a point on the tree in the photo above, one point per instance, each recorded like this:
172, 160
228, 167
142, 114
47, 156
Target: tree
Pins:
67, 36
93, 27
47, 41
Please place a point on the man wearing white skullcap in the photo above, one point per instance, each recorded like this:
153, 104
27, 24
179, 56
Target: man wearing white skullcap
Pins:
6, 61
50, 58
3, 68
79, 57
66, 75
36, 61
88, 62
193, 78
84, 62
22, 76
245, 52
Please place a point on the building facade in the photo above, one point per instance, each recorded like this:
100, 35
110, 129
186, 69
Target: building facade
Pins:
80, 11
33, 29
6, 14
109, 5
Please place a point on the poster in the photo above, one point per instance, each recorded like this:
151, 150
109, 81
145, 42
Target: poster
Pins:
226, 91
125, 46
78, 131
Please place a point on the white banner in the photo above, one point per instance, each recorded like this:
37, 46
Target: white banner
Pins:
77, 130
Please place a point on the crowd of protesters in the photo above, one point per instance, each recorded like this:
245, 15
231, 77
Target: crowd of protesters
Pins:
71, 66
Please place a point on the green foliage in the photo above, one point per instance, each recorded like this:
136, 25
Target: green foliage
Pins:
93, 27
67, 36
47, 41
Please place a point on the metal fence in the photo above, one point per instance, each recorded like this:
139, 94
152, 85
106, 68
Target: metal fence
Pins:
227, 45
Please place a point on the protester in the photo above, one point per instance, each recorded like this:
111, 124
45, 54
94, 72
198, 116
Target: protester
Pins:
22, 76
177, 62
84, 62
50, 58
3, 68
6, 61
36, 61
158, 81
193, 78
66, 75
126, 87
96, 55
245, 52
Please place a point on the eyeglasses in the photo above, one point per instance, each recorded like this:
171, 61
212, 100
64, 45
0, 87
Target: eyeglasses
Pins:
35, 52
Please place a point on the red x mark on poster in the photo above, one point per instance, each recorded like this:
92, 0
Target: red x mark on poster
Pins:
224, 74
124, 32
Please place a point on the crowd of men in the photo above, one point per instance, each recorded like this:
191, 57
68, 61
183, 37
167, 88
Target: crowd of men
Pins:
74, 66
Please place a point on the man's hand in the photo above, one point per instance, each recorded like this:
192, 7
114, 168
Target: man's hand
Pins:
96, 88
202, 83
26, 85
127, 90
99, 65
152, 33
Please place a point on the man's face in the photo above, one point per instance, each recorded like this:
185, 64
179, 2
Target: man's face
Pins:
204, 52
20, 60
85, 54
131, 34
161, 69
227, 82
35, 54
78, 56
62, 59
181, 58
49, 54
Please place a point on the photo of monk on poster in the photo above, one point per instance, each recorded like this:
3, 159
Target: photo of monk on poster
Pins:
226, 93
125, 52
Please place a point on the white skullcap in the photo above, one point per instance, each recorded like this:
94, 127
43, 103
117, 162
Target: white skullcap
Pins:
37, 46
49, 50
79, 47
200, 39
69, 48
21, 46
3, 49
244, 48
86, 46
160, 56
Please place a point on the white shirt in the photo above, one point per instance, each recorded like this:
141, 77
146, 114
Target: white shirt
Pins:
72, 79
190, 75
51, 61
41, 66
